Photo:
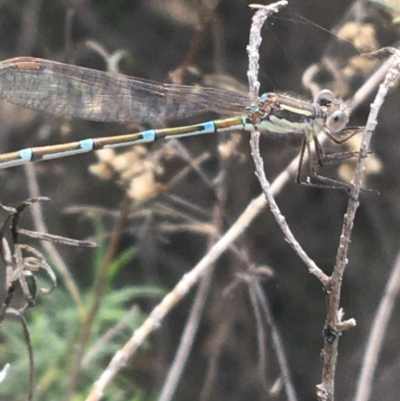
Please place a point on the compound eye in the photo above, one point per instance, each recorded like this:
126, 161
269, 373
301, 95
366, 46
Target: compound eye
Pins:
337, 121
325, 97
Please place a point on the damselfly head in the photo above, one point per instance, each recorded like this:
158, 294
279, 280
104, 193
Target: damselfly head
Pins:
335, 109
337, 121
325, 98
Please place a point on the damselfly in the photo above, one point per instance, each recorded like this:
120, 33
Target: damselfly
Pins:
67, 90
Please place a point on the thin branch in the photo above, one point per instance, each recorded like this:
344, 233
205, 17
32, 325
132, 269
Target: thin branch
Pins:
252, 74
261, 304
94, 353
260, 329
277, 344
187, 338
377, 334
280, 219
39, 225
192, 323
255, 40
334, 325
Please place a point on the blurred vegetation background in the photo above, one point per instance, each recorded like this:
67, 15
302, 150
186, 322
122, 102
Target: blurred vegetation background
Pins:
177, 198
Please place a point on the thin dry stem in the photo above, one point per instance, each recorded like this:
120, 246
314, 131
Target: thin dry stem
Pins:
113, 332
280, 219
258, 20
253, 49
377, 334
278, 345
260, 329
39, 225
333, 325
192, 324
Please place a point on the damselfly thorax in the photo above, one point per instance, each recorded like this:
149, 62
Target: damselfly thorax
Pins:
284, 115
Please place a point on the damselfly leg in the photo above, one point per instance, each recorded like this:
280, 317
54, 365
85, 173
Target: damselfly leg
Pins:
332, 124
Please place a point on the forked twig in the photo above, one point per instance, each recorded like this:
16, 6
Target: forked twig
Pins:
22, 263
252, 49
334, 324
39, 225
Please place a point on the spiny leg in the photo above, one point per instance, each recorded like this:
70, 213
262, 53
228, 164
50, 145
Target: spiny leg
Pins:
327, 183
352, 131
335, 158
306, 146
319, 151
301, 159
341, 156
